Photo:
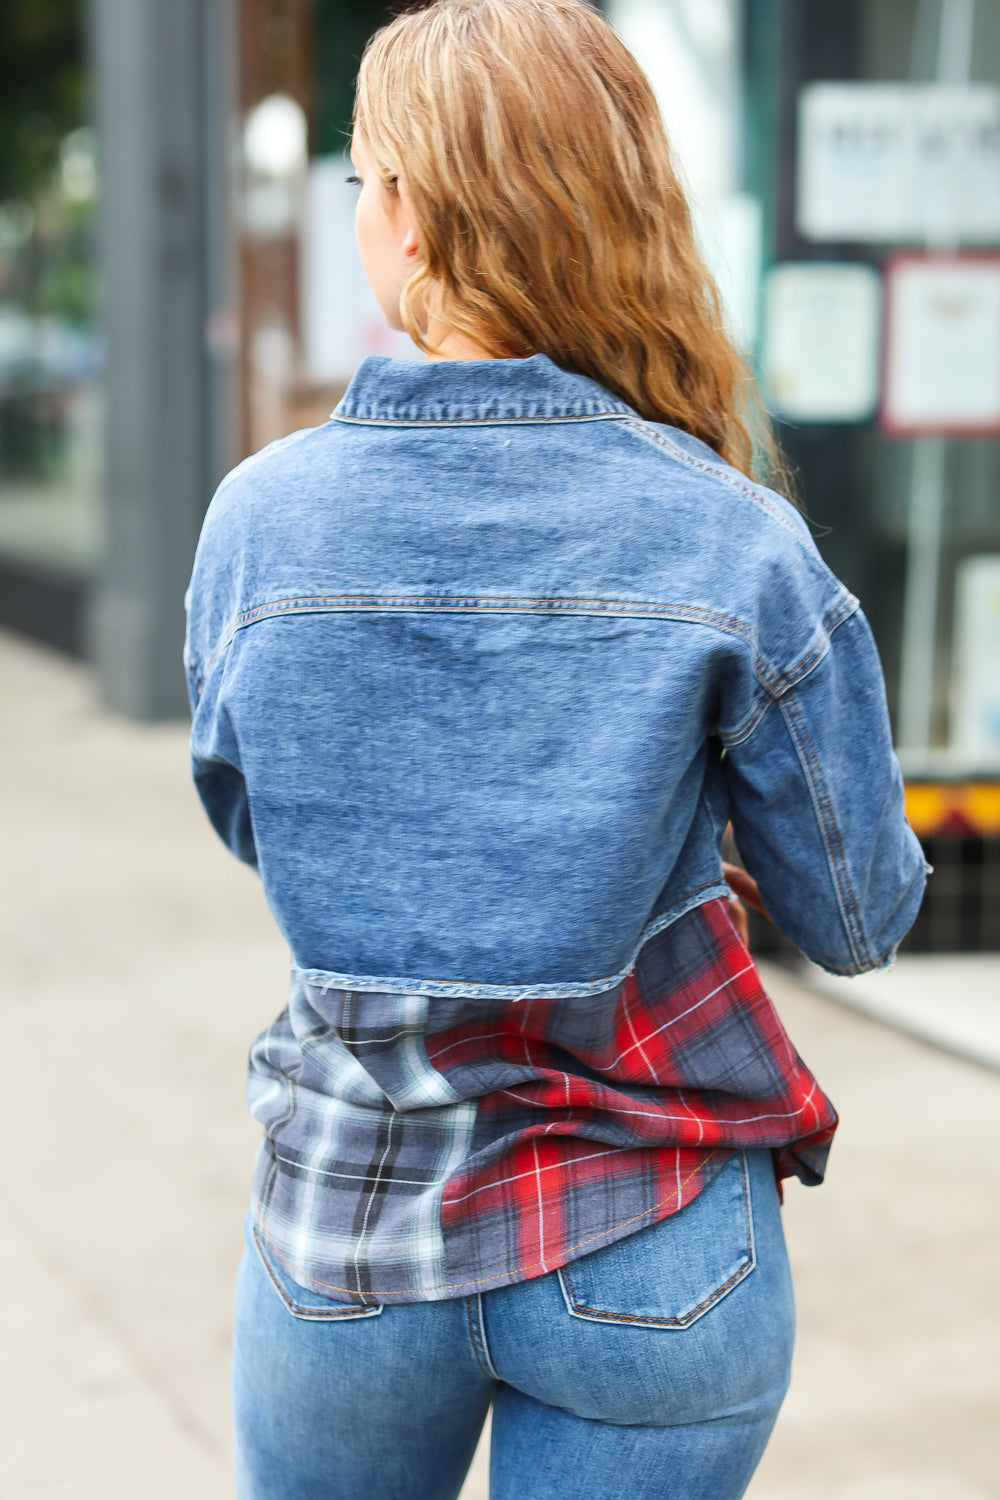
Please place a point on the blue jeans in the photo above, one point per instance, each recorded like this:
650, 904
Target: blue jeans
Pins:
654, 1367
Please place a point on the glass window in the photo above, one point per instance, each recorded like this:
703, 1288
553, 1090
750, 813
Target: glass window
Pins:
50, 352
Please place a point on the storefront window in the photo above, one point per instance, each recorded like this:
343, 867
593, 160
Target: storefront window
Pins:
844, 167
876, 134
50, 352
882, 272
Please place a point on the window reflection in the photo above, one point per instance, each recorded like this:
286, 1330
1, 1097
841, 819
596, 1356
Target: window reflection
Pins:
50, 351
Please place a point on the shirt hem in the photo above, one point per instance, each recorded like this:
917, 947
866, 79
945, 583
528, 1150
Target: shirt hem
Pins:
715, 1159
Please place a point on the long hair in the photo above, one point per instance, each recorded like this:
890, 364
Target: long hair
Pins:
548, 209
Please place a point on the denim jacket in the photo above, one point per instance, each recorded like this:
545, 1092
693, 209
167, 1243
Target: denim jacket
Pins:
481, 668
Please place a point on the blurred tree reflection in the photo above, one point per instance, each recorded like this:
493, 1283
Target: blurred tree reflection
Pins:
43, 89
49, 353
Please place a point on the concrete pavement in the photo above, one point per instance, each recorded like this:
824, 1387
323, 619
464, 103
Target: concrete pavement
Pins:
951, 1001
137, 959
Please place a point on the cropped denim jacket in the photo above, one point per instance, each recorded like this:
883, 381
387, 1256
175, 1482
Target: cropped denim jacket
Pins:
481, 668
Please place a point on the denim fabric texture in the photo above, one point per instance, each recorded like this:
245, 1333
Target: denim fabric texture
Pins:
653, 1367
480, 669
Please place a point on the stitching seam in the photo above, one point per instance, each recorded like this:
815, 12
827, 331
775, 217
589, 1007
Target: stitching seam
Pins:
609, 1315
478, 1339
538, 1265
498, 421
535, 1265
774, 681
828, 829
497, 604
717, 471
313, 1314
376, 603
797, 672
588, 987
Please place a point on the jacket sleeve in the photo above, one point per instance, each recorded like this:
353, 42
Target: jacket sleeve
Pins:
219, 780
816, 800
211, 604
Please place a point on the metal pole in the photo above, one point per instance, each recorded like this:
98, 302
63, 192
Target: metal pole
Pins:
955, 32
158, 136
916, 690
956, 23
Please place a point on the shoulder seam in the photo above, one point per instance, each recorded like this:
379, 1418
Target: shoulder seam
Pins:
778, 685
719, 471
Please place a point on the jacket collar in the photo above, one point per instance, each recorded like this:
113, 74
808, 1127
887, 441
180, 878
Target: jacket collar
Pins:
485, 390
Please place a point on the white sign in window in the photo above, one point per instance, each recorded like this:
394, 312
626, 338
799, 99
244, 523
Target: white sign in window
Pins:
340, 319
976, 693
821, 341
899, 162
942, 368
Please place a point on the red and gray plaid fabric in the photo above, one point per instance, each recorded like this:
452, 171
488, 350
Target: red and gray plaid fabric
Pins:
420, 1148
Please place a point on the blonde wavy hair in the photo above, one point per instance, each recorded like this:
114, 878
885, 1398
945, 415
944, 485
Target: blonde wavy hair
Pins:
548, 210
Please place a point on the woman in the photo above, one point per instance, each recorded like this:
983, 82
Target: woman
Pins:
481, 670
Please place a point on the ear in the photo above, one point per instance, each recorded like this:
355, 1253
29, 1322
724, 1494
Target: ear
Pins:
410, 242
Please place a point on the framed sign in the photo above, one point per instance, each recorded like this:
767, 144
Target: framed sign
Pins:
897, 162
820, 352
942, 345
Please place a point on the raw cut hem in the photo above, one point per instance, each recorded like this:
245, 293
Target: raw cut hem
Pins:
326, 979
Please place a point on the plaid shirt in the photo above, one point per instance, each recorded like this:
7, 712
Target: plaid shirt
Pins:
419, 1148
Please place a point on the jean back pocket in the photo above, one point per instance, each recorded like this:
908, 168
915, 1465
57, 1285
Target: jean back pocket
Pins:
669, 1275
299, 1300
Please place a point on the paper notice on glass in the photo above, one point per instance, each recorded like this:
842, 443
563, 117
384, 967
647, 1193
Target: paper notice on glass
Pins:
821, 341
976, 675
899, 162
942, 367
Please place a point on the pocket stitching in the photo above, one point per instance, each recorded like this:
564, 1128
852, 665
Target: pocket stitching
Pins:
576, 1309
298, 1309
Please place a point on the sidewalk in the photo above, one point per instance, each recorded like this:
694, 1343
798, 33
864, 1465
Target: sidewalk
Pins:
137, 959
951, 1001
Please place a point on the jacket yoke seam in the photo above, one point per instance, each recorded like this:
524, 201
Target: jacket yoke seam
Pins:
475, 604
772, 679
